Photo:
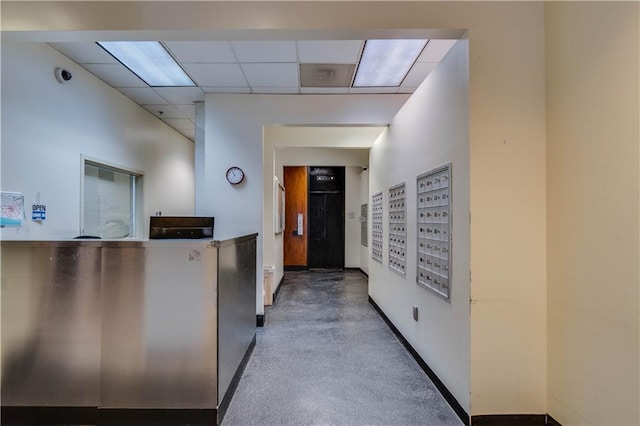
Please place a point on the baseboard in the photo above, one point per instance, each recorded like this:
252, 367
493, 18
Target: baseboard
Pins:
363, 273
107, 416
509, 420
551, 421
153, 416
260, 320
448, 396
296, 268
12, 415
224, 404
275, 294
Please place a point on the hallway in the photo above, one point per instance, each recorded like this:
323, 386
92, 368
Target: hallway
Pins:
326, 357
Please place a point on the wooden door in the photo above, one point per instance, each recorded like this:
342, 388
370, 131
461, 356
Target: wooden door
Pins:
295, 244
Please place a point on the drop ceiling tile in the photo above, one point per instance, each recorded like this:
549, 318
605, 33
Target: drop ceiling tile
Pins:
244, 89
143, 95
265, 51
275, 90
190, 134
418, 73
331, 90
272, 75
180, 123
329, 51
189, 111
164, 111
84, 52
116, 75
201, 51
435, 50
216, 74
379, 90
180, 95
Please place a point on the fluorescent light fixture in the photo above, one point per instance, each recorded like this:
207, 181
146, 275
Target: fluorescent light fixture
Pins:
385, 63
150, 61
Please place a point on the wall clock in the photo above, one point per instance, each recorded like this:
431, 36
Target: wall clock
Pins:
235, 175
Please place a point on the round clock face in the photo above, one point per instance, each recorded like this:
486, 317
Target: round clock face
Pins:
235, 175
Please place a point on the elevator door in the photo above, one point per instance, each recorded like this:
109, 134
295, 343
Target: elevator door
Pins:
326, 217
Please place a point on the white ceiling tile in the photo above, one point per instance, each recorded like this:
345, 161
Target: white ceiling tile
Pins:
244, 89
191, 134
435, 50
329, 51
373, 90
418, 73
216, 74
180, 123
189, 111
84, 52
180, 95
275, 90
116, 75
143, 95
201, 51
164, 111
265, 51
272, 75
324, 90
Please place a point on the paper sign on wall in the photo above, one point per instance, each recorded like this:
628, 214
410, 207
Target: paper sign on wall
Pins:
38, 212
12, 209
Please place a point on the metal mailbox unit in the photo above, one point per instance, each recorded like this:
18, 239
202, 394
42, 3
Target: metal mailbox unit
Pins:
376, 226
109, 331
434, 229
398, 229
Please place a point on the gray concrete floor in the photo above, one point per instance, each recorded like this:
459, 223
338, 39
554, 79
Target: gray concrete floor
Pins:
325, 357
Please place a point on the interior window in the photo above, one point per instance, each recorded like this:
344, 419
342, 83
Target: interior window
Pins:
109, 205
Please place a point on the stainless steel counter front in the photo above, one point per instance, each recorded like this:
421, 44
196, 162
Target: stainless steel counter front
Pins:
125, 324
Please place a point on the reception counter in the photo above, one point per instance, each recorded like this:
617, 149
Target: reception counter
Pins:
112, 332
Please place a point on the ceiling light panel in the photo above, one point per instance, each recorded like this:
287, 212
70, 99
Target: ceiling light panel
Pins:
385, 63
329, 51
150, 61
201, 51
271, 75
265, 51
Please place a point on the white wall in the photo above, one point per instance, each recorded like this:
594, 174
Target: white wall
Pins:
47, 126
430, 130
592, 156
234, 134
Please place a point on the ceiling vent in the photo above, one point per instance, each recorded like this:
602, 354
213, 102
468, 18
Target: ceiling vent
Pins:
326, 75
